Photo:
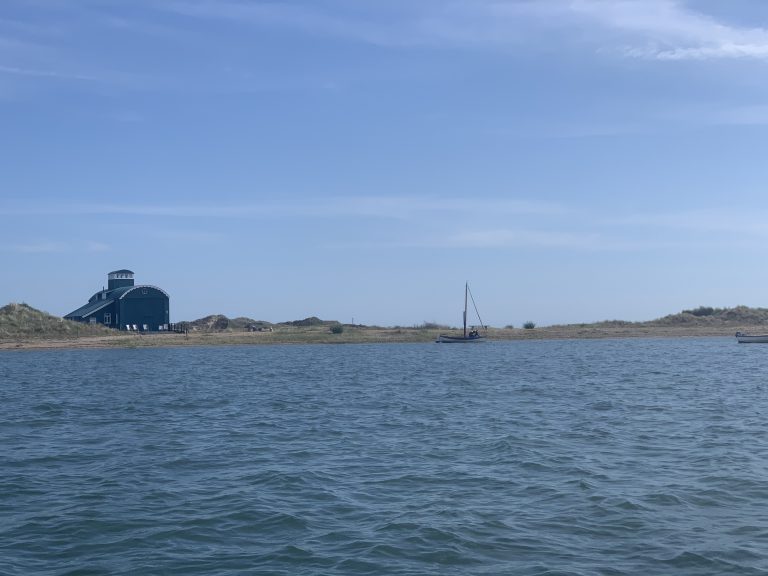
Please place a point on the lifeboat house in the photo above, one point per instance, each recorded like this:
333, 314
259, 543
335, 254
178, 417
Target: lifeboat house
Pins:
125, 306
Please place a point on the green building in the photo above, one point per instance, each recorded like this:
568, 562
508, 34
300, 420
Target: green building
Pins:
125, 306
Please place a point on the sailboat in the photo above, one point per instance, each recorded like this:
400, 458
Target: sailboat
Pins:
468, 336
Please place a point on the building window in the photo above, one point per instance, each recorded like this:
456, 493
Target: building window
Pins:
107, 319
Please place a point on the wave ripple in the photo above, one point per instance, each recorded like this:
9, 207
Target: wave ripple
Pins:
535, 458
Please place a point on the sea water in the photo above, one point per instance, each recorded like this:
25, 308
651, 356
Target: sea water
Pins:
637, 456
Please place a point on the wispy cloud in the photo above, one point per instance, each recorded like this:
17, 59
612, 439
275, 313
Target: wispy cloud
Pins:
33, 46
430, 221
54, 247
668, 30
408, 207
509, 238
378, 24
656, 29
44, 73
45, 208
393, 207
731, 222
37, 247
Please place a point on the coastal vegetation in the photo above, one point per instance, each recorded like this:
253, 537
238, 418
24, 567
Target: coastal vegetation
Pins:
23, 321
22, 326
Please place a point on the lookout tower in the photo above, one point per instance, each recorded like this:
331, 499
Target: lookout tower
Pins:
119, 279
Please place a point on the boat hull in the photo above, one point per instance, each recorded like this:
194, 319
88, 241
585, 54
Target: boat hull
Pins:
751, 339
445, 339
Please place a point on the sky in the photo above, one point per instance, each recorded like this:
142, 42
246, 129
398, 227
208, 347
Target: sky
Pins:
360, 160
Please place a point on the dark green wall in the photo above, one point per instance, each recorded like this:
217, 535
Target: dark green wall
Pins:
144, 305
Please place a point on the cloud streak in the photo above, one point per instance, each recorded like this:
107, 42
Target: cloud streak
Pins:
734, 223
44, 247
512, 238
53, 247
385, 207
430, 221
657, 30
654, 29
667, 30
44, 73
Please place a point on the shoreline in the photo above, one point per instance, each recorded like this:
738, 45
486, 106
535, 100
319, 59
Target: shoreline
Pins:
362, 335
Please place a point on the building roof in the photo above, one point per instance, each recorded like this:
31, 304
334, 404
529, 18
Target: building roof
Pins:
112, 295
122, 272
90, 308
118, 293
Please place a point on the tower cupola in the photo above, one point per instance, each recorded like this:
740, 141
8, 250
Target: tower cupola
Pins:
119, 278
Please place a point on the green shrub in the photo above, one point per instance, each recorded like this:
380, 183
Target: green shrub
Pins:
702, 311
529, 325
431, 326
337, 329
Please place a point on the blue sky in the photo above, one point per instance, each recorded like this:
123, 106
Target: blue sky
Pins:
575, 160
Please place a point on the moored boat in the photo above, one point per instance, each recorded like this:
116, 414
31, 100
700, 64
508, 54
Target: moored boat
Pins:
751, 338
473, 335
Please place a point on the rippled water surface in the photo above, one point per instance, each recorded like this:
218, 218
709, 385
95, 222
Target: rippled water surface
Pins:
531, 458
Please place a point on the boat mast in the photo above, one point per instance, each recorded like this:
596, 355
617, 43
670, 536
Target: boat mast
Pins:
466, 289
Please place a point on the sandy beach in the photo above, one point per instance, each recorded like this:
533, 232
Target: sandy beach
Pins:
362, 335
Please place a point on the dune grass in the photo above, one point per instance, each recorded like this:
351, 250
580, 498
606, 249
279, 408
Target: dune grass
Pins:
22, 326
22, 321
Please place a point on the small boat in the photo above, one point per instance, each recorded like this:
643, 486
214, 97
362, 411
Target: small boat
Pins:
467, 336
751, 338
